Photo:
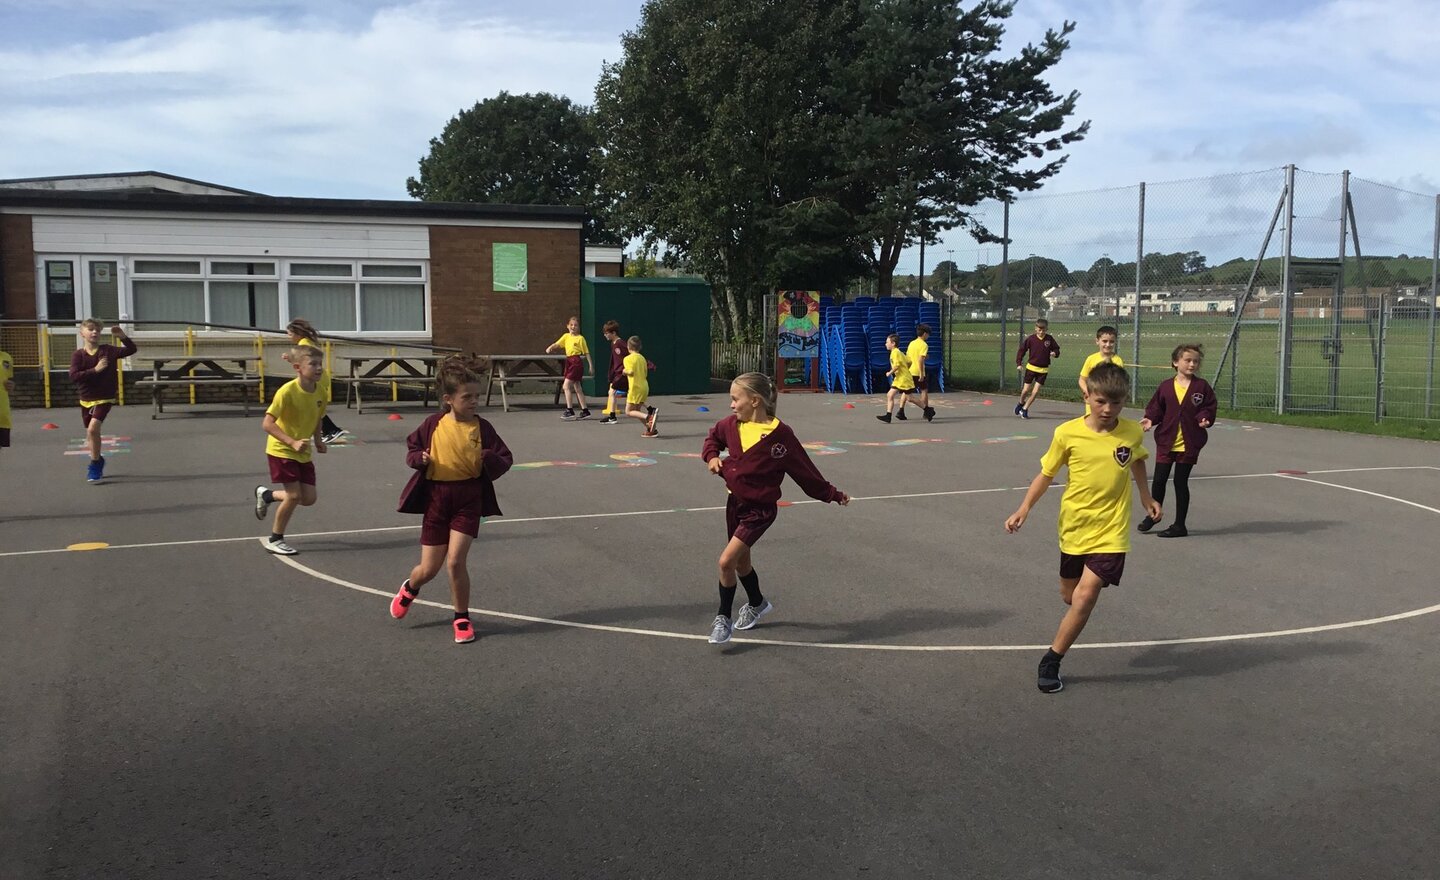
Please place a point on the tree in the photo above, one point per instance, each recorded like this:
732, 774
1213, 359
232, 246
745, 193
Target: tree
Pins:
709, 122
538, 149
926, 122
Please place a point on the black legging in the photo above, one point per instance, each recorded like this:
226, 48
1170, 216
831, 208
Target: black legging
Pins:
1182, 488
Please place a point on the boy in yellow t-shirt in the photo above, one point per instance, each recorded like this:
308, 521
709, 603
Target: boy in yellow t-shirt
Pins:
902, 381
573, 344
293, 423
1106, 338
7, 384
637, 377
1104, 454
916, 352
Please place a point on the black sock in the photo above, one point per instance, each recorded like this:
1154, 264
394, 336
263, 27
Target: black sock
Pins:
275, 537
751, 583
462, 615
1051, 655
727, 601
269, 496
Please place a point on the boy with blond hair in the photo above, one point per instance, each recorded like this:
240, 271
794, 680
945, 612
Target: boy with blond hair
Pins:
1104, 453
292, 422
95, 370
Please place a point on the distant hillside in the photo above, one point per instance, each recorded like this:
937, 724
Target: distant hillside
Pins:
1378, 271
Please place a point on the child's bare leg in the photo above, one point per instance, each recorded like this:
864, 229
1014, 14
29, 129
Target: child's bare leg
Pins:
92, 438
1082, 595
580, 395
292, 496
734, 561
459, 571
636, 411
432, 556
889, 401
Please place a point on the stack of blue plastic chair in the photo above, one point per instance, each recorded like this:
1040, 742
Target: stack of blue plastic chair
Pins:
852, 335
935, 359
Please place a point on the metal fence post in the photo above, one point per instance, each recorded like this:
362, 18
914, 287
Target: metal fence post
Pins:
1004, 300
1282, 378
1139, 261
1434, 278
1380, 362
1337, 324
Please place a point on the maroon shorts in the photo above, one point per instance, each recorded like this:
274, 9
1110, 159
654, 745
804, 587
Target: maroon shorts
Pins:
454, 507
96, 413
574, 368
1032, 376
921, 385
747, 521
621, 384
4, 437
288, 470
1108, 566
1170, 456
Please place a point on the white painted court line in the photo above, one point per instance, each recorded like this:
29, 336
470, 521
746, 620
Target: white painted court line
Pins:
660, 511
1142, 643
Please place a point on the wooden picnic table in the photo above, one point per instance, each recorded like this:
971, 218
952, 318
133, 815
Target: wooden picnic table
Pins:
407, 369
197, 370
508, 368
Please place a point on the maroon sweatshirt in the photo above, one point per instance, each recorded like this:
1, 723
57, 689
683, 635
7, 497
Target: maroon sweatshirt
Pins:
1169, 414
495, 460
754, 475
93, 384
618, 349
1041, 350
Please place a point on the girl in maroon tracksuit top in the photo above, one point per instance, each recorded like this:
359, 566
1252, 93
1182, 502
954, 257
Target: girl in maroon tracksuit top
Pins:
1179, 411
762, 451
457, 457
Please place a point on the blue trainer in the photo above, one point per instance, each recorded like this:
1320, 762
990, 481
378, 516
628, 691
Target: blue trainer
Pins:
95, 472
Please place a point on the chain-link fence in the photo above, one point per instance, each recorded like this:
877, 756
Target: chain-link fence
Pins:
1310, 292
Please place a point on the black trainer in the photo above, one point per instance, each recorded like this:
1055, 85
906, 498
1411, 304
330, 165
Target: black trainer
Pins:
885, 418
901, 415
1175, 531
1049, 680
929, 413
1145, 525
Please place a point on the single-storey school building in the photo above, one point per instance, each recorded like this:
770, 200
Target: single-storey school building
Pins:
146, 247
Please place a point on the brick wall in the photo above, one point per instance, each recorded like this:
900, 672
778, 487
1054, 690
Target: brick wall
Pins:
17, 261
467, 313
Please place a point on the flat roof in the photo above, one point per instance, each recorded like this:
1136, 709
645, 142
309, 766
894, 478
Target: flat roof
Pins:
110, 175
259, 204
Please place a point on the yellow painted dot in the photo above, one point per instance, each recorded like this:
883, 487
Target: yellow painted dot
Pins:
88, 545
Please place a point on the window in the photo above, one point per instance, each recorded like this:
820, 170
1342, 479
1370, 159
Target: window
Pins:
393, 302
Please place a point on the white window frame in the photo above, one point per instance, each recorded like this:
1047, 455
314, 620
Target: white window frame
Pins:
357, 278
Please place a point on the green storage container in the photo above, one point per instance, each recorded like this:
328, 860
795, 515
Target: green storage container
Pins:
670, 315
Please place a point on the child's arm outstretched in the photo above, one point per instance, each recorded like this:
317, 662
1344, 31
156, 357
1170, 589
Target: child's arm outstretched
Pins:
1155, 409
128, 347
1142, 482
1038, 487
803, 471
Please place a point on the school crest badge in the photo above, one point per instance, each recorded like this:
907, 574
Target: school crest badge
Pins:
1197, 398
1122, 456
778, 450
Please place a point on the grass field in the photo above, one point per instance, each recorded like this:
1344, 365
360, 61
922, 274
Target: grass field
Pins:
975, 362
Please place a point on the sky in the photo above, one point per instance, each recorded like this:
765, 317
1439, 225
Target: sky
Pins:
1203, 100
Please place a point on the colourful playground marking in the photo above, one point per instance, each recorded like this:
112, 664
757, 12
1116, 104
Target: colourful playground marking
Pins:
108, 446
88, 545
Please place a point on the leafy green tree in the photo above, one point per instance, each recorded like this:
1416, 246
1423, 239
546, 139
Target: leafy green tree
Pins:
537, 149
927, 120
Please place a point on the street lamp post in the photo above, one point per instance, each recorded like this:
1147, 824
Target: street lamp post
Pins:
949, 270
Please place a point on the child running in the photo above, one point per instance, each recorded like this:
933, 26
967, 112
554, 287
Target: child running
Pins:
916, 352
1104, 453
618, 386
637, 376
762, 450
293, 423
7, 385
573, 344
1106, 339
902, 382
302, 332
457, 457
94, 368
1179, 411
1041, 347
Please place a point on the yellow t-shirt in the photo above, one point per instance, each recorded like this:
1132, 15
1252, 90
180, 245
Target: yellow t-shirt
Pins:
324, 382
574, 344
1179, 444
916, 352
1094, 361
454, 450
298, 413
1095, 510
753, 432
900, 364
7, 372
637, 370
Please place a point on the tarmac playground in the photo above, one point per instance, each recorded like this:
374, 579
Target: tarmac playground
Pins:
1256, 700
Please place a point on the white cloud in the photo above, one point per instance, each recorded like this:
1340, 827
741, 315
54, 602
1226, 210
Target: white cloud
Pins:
310, 108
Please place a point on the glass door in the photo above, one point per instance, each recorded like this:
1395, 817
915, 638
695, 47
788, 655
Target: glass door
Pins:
101, 292
58, 288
